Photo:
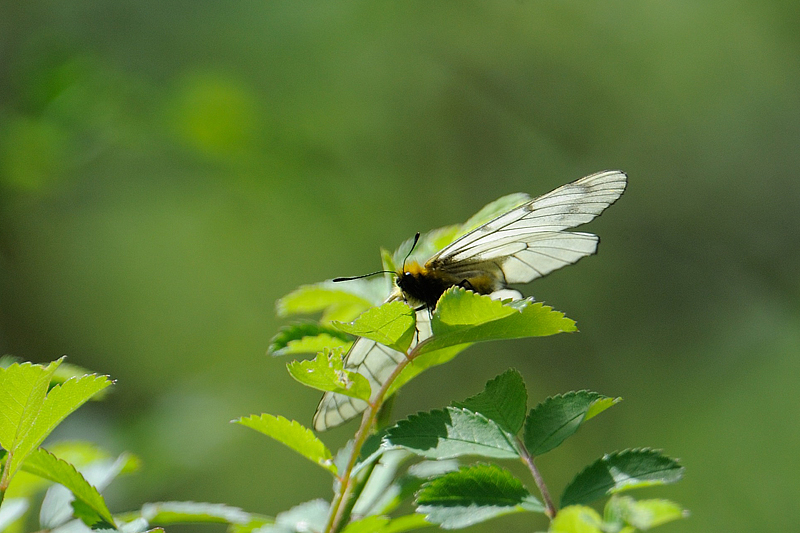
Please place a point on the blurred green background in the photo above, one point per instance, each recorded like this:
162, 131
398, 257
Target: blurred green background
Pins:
169, 169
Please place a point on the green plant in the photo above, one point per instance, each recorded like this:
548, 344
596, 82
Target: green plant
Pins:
34, 400
492, 425
385, 464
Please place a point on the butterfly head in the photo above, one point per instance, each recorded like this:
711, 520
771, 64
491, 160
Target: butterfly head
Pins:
408, 277
420, 285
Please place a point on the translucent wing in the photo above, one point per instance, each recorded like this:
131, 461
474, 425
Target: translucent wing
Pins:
529, 241
375, 362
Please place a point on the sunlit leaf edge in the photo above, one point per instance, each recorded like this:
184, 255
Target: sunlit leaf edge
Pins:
596, 481
452, 432
493, 401
541, 435
326, 373
292, 434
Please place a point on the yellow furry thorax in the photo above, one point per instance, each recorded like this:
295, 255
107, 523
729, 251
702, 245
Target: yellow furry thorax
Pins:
413, 268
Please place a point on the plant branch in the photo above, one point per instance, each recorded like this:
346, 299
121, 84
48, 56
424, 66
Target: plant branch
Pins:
4, 477
339, 505
549, 507
358, 488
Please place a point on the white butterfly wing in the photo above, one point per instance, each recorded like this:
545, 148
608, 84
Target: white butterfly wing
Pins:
375, 362
529, 241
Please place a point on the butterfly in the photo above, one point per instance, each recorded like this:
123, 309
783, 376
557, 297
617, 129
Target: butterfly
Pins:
524, 243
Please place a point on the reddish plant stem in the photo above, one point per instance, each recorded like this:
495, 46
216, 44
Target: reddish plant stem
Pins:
549, 507
338, 507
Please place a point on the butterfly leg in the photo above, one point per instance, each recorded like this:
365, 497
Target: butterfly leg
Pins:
416, 326
465, 284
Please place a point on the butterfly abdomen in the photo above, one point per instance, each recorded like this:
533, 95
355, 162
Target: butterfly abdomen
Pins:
425, 286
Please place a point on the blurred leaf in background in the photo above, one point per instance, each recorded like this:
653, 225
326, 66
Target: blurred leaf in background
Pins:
169, 170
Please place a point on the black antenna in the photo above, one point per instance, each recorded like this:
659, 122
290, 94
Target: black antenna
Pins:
416, 240
363, 275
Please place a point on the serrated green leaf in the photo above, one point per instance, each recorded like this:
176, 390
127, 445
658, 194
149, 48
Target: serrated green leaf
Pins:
391, 324
459, 308
78, 453
58, 503
463, 316
294, 435
22, 398
433, 352
504, 400
84, 512
326, 373
66, 371
307, 337
576, 519
558, 417
474, 494
22, 392
167, 513
89, 505
384, 524
641, 514
61, 401
600, 405
615, 472
337, 301
452, 432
